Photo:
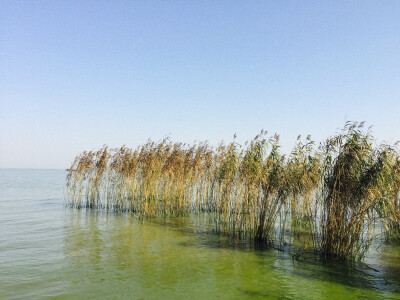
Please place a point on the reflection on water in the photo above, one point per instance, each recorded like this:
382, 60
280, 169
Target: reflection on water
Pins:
47, 250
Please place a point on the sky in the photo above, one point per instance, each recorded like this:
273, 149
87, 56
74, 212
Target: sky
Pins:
75, 75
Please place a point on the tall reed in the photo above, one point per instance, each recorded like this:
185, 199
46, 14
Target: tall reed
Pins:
360, 187
340, 190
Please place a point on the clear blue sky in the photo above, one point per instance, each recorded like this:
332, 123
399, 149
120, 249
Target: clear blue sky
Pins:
75, 75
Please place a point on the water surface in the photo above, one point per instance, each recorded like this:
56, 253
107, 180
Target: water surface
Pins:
49, 250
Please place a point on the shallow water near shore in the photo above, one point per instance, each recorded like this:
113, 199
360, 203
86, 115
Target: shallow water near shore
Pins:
50, 250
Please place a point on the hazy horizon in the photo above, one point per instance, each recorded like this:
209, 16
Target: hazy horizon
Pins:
77, 75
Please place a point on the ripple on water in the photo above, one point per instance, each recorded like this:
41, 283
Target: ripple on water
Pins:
47, 250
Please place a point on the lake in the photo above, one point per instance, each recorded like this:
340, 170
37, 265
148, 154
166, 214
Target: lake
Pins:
48, 250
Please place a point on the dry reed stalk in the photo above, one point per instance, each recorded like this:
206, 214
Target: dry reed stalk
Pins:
336, 193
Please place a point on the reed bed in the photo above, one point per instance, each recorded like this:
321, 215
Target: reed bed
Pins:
338, 191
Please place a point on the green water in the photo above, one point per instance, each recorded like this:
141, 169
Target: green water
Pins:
48, 250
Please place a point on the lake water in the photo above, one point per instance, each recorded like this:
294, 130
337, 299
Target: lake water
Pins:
50, 250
